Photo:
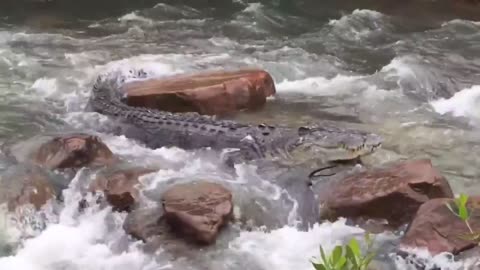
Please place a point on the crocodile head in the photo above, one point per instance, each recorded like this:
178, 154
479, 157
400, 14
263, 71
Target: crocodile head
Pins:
331, 143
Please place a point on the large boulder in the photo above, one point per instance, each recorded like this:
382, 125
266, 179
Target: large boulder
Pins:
206, 93
73, 151
437, 229
197, 210
392, 194
120, 187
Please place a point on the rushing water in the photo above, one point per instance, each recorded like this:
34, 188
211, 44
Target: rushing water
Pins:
409, 71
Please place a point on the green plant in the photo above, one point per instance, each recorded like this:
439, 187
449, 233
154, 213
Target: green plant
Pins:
346, 257
461, 211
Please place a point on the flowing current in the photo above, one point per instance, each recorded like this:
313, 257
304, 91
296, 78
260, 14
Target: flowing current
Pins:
410, 73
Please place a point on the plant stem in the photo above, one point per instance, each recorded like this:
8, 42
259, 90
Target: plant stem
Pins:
468, 225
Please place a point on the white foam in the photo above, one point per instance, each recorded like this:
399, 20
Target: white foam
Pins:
45, 86
358, 25
464, 103
253, 7
287, 248
399, 66
461, 22
411, 73
123, 146
87, 241
133, 16
321, 86
356, 13
443, 261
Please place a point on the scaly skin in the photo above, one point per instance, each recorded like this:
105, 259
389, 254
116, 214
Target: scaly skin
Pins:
156, 129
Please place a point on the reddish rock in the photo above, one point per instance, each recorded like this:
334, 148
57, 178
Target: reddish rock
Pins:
148, 225
436, 228
20, 186
120, 187
206, 93
393, 193
37, 190
198, 210
73, 151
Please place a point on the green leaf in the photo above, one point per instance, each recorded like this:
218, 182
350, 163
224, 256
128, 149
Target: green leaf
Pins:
336, 254
368, 259
462, 207
449, 206
352, 259
353, 244
318, 266
463, 199
341, 263
322, 254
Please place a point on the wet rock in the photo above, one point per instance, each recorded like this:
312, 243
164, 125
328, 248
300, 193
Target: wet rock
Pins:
206, 93
392, 193
23, 185
198, 210
144, 224
120, 187
436, 228
73, 151
470, 258
149, 226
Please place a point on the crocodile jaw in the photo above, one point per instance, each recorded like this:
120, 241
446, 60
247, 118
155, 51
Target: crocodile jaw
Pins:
333, 144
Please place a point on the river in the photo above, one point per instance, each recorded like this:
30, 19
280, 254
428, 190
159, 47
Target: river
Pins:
408, 71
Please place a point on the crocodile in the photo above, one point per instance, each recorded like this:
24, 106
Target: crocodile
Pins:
240, 141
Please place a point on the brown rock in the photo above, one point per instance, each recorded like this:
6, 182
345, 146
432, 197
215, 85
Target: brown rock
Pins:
198, 210
393, 193
73, 151
144, 224
206, 93
21, 186
436, 228
148, 225
120, 187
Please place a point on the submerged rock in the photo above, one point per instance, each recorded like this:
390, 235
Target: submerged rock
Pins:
197, 210
393, 194
25, 185
149, 226
120, 187
144, 224
437, 229
73, 151
206, 93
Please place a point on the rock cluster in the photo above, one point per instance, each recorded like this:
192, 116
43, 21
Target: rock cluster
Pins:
411, 193
393, 193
